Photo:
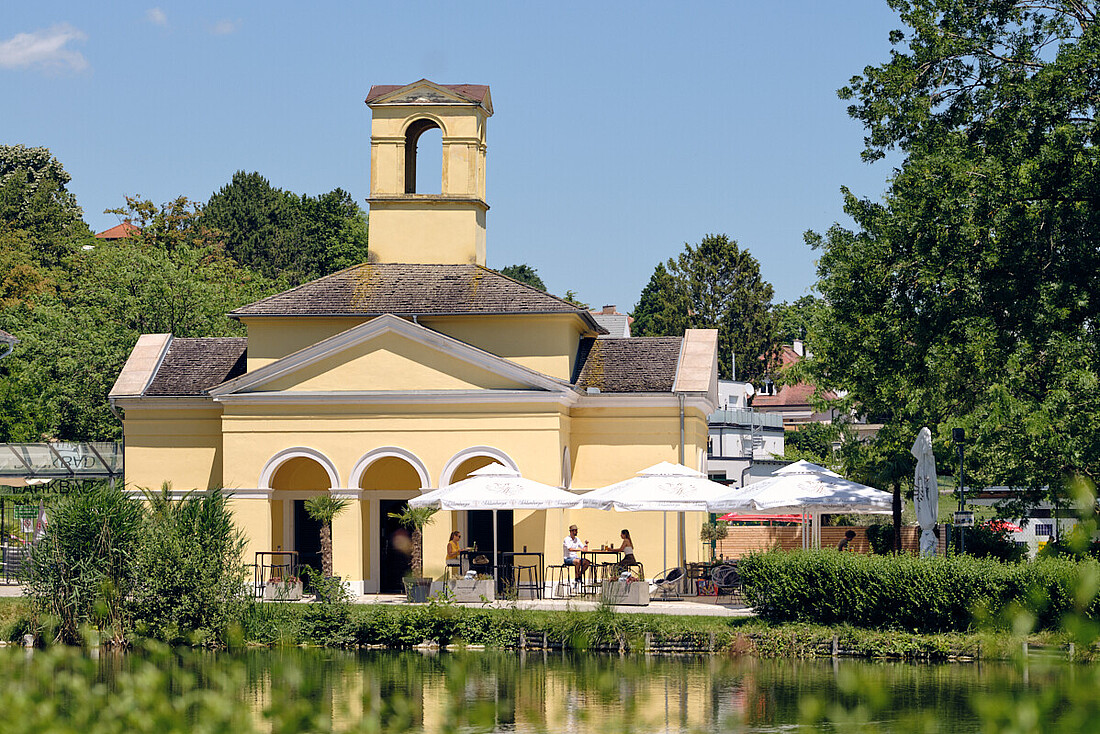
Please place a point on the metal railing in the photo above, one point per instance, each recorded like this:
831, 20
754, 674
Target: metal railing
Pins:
272, 565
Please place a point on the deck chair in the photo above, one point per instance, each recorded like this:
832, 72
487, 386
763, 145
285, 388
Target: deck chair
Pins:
726, 580
668, 585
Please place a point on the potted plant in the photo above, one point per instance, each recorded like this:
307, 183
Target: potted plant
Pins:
280, 589
324, 508
415, 519
712, 532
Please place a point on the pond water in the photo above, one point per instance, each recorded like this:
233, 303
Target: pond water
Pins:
320, 690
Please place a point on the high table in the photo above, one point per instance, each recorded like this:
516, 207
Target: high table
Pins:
593, 556
466, 561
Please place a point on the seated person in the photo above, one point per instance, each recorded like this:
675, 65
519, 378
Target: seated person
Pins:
454, 545
627, 549
848, 537
571, 552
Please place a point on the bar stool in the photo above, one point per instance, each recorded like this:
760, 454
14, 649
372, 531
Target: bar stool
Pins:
560, 577
526, 578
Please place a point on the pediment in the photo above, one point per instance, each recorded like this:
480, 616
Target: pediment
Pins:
426, 92
389, 354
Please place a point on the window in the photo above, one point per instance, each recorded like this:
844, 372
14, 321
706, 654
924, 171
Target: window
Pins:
1044, 528
430, 162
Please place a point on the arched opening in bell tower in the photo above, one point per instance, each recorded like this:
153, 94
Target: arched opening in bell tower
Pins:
424, 157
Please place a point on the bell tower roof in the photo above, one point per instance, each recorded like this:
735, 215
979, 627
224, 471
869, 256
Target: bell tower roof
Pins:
408, 226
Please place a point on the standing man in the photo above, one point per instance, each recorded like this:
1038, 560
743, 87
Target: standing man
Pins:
571, 552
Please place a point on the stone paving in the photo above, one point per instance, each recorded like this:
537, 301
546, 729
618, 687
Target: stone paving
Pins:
700, 606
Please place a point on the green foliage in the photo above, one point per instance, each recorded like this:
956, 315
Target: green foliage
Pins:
524, 274
85, 569
983, 541
191, 576
113, 565
881, 537
799, 319
812, 442
713, 285
415, 519
572, 298
35, 205
968, 296
919, 594
277, 233
324, 508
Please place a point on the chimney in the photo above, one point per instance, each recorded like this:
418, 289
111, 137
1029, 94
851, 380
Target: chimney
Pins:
608, 309
798, 348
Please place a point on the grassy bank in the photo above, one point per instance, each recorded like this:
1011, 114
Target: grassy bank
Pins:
600, 630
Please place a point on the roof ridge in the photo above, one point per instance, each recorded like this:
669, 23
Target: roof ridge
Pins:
530, 287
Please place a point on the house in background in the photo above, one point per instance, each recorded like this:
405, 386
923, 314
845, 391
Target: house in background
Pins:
743, 442
118, 232
407, 373
617, 324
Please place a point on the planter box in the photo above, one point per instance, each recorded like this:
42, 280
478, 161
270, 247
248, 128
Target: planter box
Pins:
417, 590
470, 591
282, 591
626, 593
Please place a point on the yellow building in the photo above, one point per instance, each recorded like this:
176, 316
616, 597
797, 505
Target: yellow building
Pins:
406, 373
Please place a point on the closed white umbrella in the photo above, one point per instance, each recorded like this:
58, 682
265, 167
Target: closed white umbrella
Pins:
496, 487
926, 492
663, 487
808, 488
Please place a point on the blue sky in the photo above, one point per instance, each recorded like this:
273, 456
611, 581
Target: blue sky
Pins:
683, 119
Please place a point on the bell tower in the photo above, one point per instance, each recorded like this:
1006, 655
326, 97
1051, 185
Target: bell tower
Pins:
410, 227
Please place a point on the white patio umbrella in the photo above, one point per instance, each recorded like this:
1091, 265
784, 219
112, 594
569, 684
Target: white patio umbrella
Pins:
926, 493
496, 487
808, 488
663, 487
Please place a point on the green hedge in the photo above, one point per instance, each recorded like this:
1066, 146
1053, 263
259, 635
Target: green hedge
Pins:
919, 594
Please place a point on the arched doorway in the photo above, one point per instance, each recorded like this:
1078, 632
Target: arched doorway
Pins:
296, 479
478, 529
388, 478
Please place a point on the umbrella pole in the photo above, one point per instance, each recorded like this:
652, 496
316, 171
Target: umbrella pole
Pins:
664, 539
496, 556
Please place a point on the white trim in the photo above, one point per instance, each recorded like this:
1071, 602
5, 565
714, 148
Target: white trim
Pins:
470, 453
397, 397
389, 324
299, 452
346, 494
189, 401
252, 493
394, 452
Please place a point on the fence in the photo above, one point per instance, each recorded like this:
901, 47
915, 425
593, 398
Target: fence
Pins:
744, 539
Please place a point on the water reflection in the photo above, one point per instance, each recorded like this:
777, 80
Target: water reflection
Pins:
320, 690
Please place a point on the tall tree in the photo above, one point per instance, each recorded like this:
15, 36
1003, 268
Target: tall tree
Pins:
971, 295
279, 233
36, 205
795, 320
524, 274
713, 285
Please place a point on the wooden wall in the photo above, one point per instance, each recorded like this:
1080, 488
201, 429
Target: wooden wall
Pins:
745, 539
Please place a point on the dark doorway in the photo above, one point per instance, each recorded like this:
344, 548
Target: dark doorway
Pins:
395, 564
307, 538
479, 529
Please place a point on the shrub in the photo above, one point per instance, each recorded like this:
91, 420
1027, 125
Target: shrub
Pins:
907, 592
983, 541
191, 583
84, 570
881, 537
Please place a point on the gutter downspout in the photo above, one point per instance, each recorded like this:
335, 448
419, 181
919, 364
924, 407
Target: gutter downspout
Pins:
114, 411
681, 547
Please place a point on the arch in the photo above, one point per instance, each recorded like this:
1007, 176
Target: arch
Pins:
413, 131
390, 452
473, 452
298, 452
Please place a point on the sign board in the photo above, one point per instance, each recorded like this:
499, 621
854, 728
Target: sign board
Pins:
24, 512
964, 519
27, 524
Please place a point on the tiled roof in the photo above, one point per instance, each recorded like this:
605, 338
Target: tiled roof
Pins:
193, 366
118, 232
373, 289
475, 92
638, 364
788, 396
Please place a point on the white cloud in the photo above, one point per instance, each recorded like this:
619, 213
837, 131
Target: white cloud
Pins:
225, 27
45, 48
156, 16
